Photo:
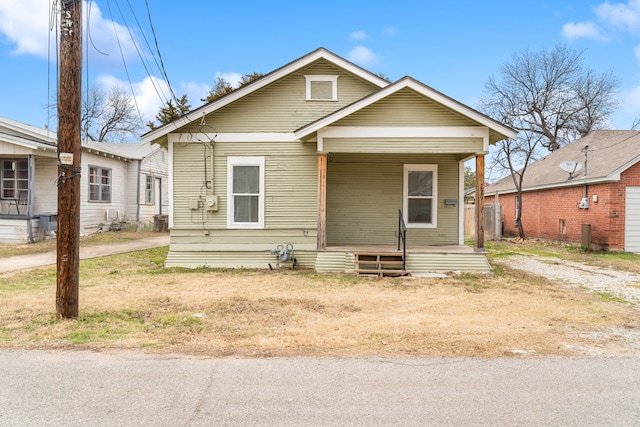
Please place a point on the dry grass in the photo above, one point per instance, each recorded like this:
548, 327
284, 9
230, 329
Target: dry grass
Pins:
625, 261
49, 245
131, 302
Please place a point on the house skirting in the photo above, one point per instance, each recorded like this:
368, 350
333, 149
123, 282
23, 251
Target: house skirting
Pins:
334, 259
428, 259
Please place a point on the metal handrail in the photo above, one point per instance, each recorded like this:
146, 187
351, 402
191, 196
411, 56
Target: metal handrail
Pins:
402, 237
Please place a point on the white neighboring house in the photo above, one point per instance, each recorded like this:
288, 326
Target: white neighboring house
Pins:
120, 183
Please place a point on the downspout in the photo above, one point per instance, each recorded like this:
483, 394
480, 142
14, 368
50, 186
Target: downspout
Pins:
32, 168
585, 190
138, 194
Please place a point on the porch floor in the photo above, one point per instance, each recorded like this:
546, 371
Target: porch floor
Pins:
393, 249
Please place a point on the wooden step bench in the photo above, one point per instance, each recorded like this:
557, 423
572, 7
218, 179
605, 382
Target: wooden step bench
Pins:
379, 264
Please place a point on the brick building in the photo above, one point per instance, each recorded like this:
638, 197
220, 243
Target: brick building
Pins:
598, 203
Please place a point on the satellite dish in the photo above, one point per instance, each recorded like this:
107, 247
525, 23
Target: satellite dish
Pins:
571, 166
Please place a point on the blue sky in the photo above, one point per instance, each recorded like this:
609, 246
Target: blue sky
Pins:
451, 46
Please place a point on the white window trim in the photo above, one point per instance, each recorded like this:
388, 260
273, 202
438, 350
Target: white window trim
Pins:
99, 184
405, 195
322, 78
244, 161
149, 201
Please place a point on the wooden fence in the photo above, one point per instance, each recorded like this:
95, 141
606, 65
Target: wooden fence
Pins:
492, 222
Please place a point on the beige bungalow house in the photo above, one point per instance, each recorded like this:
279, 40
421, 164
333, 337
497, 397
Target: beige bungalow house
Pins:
325, 165
120, 183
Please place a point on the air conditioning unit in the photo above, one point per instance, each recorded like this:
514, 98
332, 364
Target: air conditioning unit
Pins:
584, 203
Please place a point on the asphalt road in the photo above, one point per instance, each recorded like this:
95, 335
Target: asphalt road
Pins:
126, 389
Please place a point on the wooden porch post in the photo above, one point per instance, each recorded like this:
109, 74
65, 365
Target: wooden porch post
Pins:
479, 244
322, 201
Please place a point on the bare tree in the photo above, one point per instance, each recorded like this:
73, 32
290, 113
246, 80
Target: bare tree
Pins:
550, 99
110, 116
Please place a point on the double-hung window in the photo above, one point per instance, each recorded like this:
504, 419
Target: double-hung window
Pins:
14, 178
148, 190
245, 192
420, 196
99, 184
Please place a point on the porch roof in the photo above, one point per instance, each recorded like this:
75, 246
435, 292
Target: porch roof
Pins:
27, 143
496, 130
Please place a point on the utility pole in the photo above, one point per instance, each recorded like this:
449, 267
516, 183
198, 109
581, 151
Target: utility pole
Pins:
69, 166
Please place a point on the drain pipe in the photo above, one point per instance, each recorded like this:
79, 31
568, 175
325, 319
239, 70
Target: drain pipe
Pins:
585, 190
138, 196
32, 166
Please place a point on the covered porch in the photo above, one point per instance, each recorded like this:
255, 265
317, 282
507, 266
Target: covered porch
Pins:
403, 150
23, 219
367, 223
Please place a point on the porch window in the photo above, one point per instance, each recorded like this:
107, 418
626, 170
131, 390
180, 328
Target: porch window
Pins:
148, 190
420, 196
99, 184
245, 190
15, 177
322, 87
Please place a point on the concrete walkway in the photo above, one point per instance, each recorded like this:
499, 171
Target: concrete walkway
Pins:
23, 262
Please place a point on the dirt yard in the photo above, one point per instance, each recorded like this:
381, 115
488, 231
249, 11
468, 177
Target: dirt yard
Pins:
131, 302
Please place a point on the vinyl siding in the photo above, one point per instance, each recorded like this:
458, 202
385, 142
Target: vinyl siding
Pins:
282, 106
14, 230
364, 194
95, 213
45, 199
153, 165
290, 196
405, 108
417, 263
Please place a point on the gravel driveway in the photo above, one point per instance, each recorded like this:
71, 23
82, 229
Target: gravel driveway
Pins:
619, 284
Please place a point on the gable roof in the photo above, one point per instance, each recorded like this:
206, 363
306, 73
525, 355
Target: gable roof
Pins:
320, 53
610, 152
497, 132
36, 138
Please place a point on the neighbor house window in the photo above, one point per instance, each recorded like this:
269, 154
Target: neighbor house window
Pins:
322, 87
14, 177
245, 182
99, 184
420, 195
148, 190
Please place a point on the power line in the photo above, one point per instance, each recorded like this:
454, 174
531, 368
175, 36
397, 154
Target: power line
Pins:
163, 71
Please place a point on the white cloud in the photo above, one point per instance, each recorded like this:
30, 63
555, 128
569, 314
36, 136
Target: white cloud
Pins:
388, 31
362, 55
625, 17
108, 37
232, 78
632, 99
195, 92
146, 93
585, 29
26, 24
358, 35
630, 108
636, 51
